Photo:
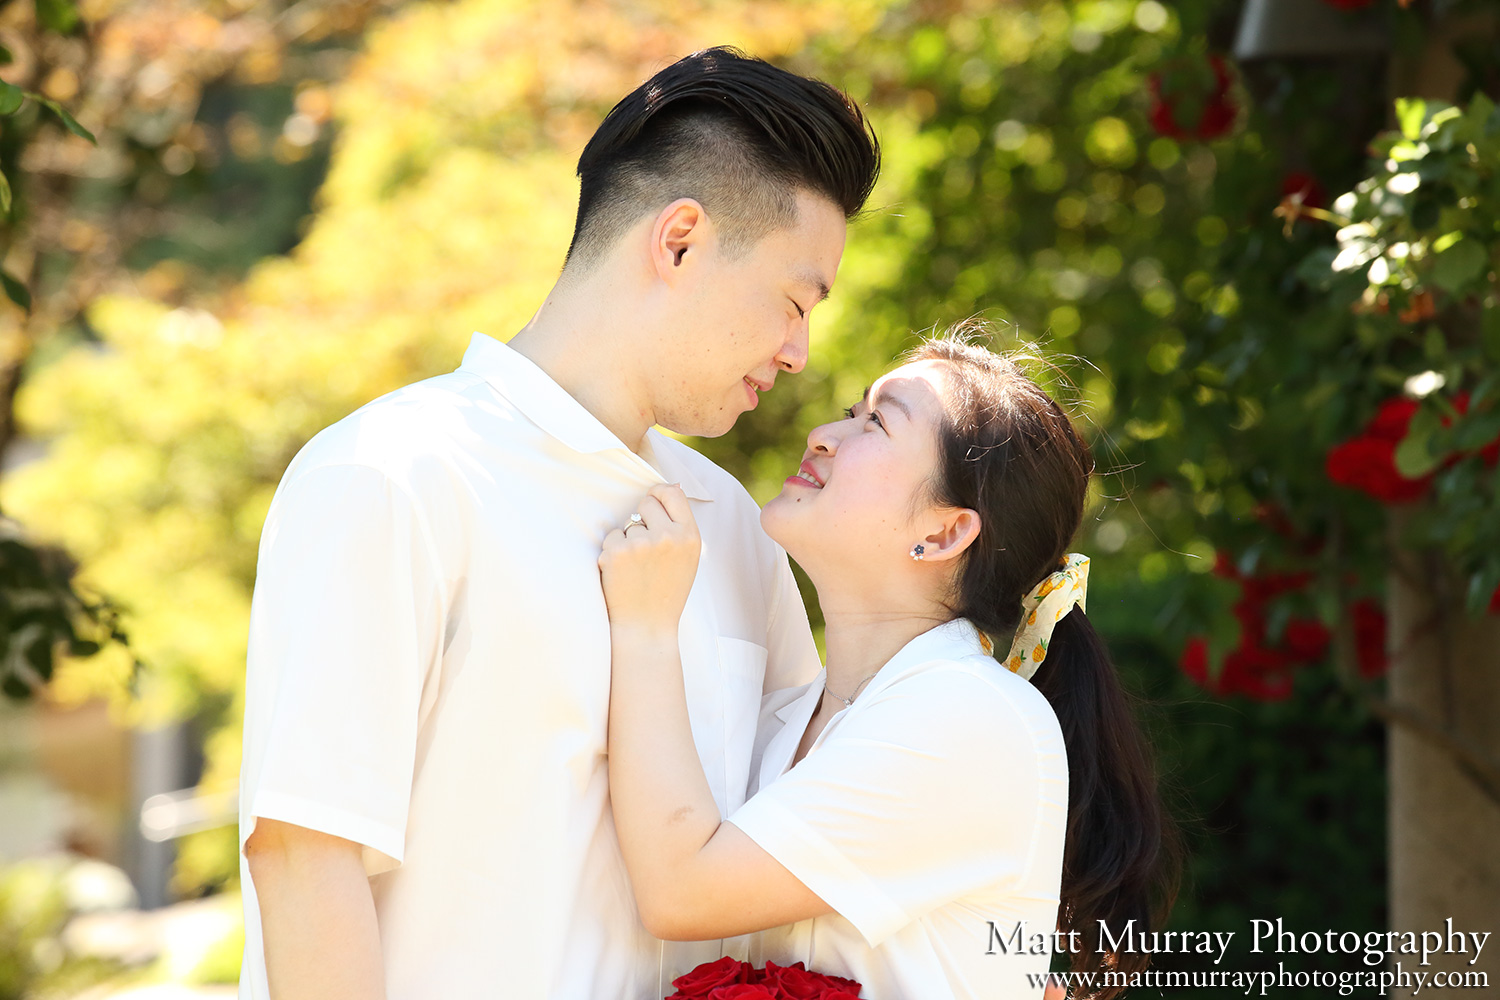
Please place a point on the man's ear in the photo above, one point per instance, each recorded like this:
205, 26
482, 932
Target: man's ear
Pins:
955, 532
683, 231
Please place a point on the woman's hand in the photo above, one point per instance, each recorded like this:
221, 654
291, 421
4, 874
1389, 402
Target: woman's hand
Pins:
648, 568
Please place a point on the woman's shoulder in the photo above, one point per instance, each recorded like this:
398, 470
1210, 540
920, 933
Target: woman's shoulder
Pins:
976, 698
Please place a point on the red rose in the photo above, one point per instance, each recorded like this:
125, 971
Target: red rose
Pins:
1392, 419
793, 982
1259, 589
1252, 618
796, 983
1368, 464
1495, 602
1191, 100
1304, 188
1306, 639
743, 991
703, 980
1250, 670
1369, 639
841, 987
1194, 660
1256, 673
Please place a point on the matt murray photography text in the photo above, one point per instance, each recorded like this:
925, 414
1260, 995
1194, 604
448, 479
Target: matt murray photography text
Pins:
1266, 936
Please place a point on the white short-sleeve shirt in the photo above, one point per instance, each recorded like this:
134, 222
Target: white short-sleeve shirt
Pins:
429, 677
930, 815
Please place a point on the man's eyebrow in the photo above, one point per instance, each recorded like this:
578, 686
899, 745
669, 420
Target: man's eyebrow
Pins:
814, 280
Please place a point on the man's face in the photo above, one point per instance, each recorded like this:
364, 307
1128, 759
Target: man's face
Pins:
744, 320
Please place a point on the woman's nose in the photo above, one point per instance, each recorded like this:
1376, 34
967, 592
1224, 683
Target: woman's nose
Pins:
824, 439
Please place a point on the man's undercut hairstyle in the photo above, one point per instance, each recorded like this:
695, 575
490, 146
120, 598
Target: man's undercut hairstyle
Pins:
736, 134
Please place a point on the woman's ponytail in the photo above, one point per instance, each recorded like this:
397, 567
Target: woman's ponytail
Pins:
1122, 856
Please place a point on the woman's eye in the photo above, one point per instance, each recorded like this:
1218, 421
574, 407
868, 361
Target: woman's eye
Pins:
875, 418
848, 413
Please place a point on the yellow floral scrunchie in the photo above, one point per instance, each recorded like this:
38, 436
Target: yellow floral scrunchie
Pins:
1045, 606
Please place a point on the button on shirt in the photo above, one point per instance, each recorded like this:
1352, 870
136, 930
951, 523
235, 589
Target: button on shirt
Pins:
429, 677
930, 814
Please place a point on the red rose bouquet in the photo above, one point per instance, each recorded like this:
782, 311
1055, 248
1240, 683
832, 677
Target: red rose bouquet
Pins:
730, 979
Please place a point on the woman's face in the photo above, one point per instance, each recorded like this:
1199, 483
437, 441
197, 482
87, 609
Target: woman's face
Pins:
857, 505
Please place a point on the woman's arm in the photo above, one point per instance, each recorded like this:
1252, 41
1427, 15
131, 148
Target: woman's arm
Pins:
695, 877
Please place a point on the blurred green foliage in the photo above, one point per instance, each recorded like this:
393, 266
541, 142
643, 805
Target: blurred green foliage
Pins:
35, 905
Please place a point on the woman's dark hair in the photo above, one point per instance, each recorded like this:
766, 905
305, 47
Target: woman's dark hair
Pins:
1010, 453
736, 133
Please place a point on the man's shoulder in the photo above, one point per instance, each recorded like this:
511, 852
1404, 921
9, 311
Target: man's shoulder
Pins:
408, 427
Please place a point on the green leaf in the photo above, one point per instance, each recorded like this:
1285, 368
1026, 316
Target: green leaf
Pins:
1482, 390
61, 112
11, 98
1440, 130
60, 16
4, 194
1414, 455
1413, 458
1426, 212
1490, 328
1458, 265
1446, 240
1477, 432
1410, 111
1480, 109
16, 291
1435, 345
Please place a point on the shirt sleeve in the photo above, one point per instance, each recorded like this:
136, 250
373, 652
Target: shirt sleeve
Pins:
791, 654
346, 626
937, 788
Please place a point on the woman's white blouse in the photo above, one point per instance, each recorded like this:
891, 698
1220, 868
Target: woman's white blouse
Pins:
930, 815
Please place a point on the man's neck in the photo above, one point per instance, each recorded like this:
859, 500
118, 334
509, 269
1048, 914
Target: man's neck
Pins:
582, 339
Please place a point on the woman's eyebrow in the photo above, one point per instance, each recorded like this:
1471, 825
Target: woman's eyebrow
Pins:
889, 399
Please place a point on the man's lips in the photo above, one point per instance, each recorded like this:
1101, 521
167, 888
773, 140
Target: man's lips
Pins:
754, 387
806, 476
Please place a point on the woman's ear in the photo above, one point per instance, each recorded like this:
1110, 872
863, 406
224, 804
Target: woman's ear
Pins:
683, 228
955, 533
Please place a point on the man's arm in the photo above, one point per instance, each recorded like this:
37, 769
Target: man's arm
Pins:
345, 630
317, 915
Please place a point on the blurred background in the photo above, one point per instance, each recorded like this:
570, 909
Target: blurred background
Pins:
1259, 239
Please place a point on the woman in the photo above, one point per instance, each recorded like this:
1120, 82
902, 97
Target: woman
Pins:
924, 817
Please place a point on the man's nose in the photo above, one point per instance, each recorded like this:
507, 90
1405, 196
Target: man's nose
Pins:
793, 354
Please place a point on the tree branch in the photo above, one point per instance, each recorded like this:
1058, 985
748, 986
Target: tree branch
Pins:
1479, 766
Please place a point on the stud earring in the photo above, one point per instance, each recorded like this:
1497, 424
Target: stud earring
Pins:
917, 550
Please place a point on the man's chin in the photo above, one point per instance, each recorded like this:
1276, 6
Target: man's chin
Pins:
716, 426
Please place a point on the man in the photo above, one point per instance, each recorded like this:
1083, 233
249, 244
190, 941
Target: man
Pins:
424, 807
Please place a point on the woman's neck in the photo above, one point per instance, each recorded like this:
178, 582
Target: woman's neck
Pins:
859, 643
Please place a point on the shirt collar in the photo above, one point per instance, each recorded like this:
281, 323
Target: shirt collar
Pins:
550, 407
952, 640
